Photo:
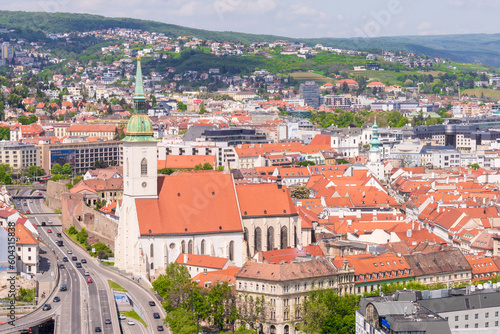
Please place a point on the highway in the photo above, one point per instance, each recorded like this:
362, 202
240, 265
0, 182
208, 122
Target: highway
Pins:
85, 306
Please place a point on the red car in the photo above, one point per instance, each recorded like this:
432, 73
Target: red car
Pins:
28, 211
89, 280
49, 231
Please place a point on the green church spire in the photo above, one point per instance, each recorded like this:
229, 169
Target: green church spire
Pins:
375, 142
139, 127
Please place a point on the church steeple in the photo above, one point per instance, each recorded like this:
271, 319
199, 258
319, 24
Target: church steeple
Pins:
139, 127
139, 98
375, 143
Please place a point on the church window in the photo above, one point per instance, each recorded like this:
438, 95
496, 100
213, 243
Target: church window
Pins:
270, 238
202, 248
144, 167
284, 237
183, 246
190, 247
231, 250
128, 168
295, 237
152, 265
258, 239
151, 250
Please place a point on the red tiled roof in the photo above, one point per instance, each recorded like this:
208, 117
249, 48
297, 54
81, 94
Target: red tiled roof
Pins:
202, 261
185, 161
218, 276
191, 203
264, 199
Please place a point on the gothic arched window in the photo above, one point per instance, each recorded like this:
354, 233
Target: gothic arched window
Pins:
270, 238
231, 250
258, 239
151, 250
183, 246
190, 247
202, 248
144, 167
284, 237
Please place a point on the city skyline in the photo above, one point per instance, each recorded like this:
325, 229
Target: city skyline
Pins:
298, 19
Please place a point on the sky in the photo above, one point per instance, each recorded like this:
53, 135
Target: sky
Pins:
295, 18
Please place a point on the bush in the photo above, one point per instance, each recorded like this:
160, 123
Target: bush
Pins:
101, 250
72, 230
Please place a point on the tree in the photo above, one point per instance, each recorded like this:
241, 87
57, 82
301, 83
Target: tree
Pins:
306, 163
202, 108
474, 166
325, 312
100, 164
300, 192
221, 302
181, 106
174, 286
181, 321
33, 171
207, 166
66, 169
56, 169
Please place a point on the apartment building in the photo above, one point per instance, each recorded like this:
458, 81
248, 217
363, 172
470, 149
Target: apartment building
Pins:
19, 155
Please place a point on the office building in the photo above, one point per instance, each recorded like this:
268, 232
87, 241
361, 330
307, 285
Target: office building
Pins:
19, 155
309, 92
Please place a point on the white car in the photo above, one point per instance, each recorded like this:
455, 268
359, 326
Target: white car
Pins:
130, 323
86, 273
122, 317
70, 251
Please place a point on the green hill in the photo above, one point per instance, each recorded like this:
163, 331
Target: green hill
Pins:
472, 48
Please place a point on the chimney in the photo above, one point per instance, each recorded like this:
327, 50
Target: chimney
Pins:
411, 174
185, 258
363, 194
299, 247
279, 181
433, 175
260, 256
447, 180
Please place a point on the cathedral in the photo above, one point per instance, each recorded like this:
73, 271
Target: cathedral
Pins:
199, 212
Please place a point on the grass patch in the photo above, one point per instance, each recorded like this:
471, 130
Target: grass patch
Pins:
480, 92
116, 286
133, 314
309, 76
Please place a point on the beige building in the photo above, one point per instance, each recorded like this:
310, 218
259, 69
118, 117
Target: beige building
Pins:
19, 155
108, 131
82, 155
60, 129
281, 289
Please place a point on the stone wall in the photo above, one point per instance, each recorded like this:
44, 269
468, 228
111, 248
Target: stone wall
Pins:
55, 191
76, 213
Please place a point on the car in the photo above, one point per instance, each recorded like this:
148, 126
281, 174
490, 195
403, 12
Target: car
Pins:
89, 280
28, 211
50, 221
44, 224
65, 259
130, 323
107, 321
62, 266
70, 251
63, 287
78, 265
151, 303
39, 194
73, 258
31, 201
57, 299
25, 204
98, 329
159, 328
122, 317
59, 235
49, 230
156, 315
47, 307
84, 261
86, 273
